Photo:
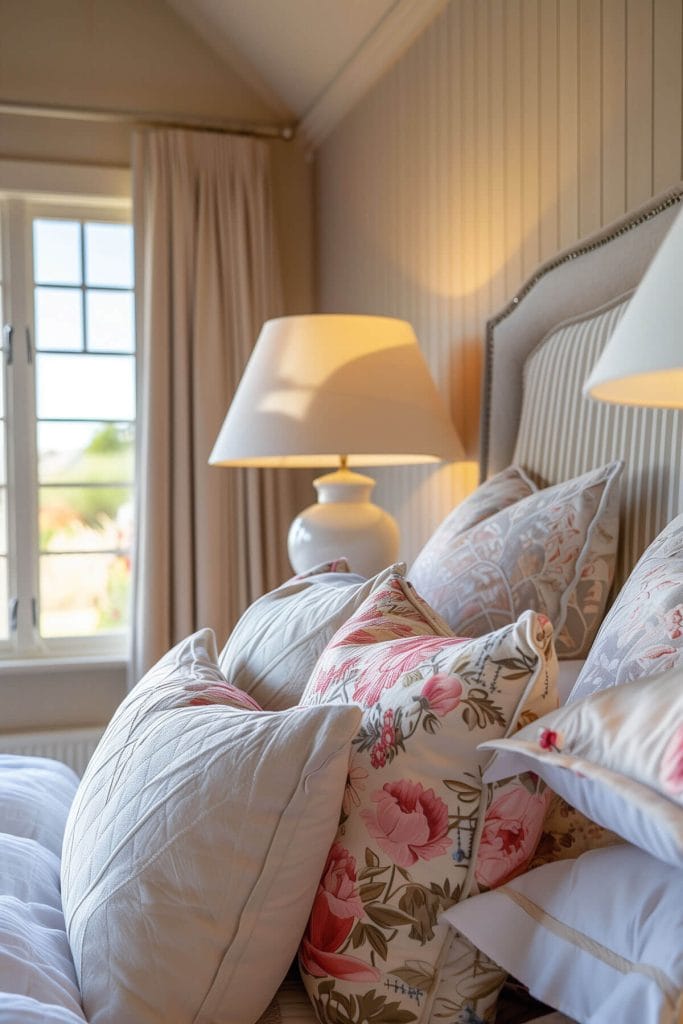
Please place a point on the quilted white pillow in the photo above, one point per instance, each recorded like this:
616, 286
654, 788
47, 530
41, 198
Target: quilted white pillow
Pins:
274, 647
198, 833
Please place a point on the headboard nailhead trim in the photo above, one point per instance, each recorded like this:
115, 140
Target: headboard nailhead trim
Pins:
662, 202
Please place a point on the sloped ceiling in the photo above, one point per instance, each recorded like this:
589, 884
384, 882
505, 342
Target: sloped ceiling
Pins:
310, 60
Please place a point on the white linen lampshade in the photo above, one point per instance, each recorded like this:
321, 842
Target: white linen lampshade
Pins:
344, 391
642, 363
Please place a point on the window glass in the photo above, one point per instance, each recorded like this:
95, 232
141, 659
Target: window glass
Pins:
59, 318
77, 453
4, 588
85, 387
110, 321
67, 428
4, 620
84, 594
85, 518
3, 521
57, 252
109, 255
85, 408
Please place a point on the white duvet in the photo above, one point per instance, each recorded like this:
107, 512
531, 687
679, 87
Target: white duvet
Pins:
37, 978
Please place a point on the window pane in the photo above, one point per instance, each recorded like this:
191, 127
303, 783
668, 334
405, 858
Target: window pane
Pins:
110, 318
109, 255
2, 378
82, 595
85, 452
85, 387
4, 597
59, 318
3, 521
85, 518
57, 252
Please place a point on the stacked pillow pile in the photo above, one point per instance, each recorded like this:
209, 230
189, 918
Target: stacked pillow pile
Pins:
324, 784
601, 937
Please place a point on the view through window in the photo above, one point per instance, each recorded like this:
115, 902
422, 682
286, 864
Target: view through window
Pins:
4, 590
71, 429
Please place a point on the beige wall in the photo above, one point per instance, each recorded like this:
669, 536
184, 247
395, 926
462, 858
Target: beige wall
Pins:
510, 129
139, 55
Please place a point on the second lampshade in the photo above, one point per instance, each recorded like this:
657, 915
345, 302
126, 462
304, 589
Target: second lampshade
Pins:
343, 391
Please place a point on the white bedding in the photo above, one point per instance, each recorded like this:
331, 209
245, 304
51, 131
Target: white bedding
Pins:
37, 977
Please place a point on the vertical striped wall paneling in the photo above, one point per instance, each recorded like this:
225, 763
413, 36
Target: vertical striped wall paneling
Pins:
510, 129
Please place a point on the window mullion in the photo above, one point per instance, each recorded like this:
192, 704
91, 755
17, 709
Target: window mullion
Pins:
22, 447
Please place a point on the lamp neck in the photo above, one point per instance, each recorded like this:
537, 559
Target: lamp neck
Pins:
343, 485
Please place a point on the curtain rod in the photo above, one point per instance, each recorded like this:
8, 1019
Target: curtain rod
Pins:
148, 119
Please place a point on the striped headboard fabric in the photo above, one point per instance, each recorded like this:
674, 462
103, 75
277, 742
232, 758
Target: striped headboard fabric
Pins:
562, 434
539, 351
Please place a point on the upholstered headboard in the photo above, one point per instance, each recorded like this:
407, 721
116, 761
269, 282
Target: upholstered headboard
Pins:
539, 350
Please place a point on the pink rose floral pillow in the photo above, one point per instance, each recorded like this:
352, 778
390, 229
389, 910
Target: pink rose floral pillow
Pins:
552, 551
412, 838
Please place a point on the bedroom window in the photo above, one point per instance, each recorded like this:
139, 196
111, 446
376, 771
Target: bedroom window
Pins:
68, 435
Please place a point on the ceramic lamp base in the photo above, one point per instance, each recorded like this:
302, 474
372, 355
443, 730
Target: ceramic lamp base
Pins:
344, 522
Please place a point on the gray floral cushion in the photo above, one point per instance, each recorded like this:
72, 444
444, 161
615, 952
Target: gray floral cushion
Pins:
503, 489
643, 633
552, 551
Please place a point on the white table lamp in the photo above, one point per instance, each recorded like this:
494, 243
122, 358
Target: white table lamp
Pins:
642, 363
340, 391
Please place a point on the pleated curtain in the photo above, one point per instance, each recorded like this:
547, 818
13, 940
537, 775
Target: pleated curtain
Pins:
209, 540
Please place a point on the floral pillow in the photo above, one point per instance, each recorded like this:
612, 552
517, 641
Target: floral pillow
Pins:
503, 489
642, 634
413, 813
552, 551
617, 756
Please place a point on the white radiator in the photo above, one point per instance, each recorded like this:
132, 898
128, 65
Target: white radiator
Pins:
72, 746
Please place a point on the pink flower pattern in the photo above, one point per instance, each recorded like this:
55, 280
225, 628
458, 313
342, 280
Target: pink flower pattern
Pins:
405, 843
673, 620
409, 823
442, 692
202, 693
336, 908
671, 770
549, 739
512, 828
642, 634
392, 662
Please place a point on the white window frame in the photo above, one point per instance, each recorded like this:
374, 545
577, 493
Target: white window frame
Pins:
27, 191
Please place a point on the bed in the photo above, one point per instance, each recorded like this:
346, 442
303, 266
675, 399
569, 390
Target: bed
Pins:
538, 352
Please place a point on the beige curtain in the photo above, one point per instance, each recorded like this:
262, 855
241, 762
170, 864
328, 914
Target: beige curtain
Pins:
209, 540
